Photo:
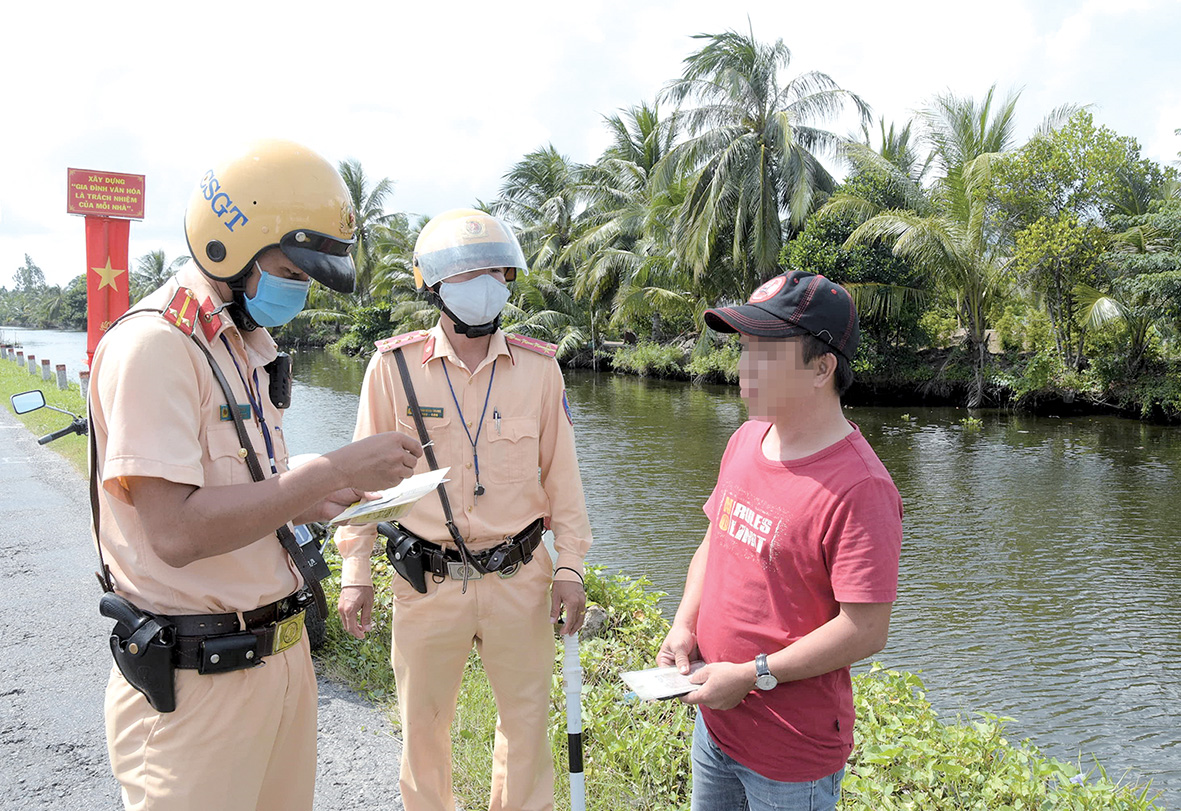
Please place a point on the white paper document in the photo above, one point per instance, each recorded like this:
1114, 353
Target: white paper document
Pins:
394, 502
661, 682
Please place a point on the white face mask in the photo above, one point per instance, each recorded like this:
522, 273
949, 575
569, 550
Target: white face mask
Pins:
476, 301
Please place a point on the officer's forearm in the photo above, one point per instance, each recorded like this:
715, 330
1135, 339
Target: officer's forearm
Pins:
185, 523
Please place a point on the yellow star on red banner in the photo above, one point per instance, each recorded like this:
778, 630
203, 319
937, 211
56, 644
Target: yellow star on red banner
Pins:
108, 274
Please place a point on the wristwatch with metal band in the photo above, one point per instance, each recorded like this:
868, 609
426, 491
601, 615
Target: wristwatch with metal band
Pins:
764, 678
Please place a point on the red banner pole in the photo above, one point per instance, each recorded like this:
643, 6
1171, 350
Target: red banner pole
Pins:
108, 293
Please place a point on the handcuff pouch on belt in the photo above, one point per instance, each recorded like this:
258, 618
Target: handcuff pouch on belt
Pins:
142, 645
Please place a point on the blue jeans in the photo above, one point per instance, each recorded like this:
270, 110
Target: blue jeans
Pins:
722, 784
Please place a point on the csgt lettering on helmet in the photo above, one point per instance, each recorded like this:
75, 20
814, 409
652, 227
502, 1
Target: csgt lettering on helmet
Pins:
220, 202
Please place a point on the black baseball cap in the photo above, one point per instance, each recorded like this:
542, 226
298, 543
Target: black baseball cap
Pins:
794, 303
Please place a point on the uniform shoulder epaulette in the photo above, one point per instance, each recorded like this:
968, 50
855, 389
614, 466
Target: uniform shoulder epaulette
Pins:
532, 344
185, 313
405, 339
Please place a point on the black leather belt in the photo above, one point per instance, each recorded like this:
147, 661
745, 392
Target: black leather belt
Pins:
275, 627
503, 559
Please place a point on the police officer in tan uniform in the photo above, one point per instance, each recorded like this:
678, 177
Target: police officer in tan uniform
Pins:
494, 407
225, 716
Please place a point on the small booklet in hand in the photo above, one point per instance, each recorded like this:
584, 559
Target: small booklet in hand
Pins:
394, 502
661, 682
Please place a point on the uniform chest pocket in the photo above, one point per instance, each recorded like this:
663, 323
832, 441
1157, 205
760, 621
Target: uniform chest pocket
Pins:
226, 463
512, 450
438, 429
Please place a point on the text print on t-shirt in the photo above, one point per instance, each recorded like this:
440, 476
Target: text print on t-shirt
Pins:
746, 525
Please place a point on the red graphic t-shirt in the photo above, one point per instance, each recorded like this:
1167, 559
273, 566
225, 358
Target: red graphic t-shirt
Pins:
789, 542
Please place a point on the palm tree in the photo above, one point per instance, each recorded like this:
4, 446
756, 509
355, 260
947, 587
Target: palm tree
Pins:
950, 240
544, 308
888, 179
392, 249
900, 149
624, 235
752, 149
959, 130
1136, 308
151, 271
541, 196
369, 206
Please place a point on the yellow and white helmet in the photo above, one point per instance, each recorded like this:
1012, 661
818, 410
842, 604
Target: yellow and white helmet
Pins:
464, 239
275, 194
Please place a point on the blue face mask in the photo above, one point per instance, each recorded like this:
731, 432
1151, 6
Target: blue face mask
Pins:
276, 301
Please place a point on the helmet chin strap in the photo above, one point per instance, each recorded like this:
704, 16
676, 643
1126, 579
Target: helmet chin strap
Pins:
461, 326
237, 307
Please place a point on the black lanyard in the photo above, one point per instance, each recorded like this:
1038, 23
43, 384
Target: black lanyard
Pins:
256, 404
479, 491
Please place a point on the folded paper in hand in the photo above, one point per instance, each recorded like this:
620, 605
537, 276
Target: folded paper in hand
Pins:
395, 502
661, 682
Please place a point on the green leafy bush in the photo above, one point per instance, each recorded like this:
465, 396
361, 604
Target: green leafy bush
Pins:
907, 758
718, 365
646, 358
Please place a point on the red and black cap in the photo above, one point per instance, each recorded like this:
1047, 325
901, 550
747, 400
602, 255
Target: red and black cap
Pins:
795, 303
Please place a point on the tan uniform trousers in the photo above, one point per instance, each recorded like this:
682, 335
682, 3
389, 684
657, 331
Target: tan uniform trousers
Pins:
237, 741
508, 619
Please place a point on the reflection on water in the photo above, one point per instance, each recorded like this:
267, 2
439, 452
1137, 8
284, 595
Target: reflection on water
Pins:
1040, 579
1040, 576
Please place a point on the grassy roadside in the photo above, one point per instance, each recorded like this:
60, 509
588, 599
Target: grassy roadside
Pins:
15, 379
637, 754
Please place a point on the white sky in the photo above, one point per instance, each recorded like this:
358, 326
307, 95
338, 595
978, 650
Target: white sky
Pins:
443, 97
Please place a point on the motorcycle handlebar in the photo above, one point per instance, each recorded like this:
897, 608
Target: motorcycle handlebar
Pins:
78, 426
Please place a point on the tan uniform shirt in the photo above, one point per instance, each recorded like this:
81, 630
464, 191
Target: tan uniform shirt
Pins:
528, 465
158, 413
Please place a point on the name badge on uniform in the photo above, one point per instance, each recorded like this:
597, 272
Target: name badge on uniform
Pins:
427, 411
243, 409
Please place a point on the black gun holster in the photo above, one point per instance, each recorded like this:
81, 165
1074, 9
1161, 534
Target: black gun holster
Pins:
142, 645
405, 554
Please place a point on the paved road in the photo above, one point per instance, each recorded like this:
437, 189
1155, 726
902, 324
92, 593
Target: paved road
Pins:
54, 662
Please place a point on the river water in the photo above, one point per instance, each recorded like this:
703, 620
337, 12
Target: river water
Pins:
1040, 573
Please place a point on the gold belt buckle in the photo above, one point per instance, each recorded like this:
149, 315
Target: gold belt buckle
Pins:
288, 632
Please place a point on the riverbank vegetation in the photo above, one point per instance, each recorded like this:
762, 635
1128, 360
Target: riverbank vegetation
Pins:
637, 754
1041, 275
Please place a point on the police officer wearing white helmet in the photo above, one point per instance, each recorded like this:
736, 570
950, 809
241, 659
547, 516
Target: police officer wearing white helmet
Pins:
211, 703
471, 568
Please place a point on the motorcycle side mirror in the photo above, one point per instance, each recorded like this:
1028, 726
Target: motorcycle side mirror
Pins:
28, 401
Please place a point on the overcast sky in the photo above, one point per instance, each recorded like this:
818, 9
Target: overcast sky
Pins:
443, 98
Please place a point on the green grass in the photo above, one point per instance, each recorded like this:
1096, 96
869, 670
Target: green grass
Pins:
636, 755
15, 379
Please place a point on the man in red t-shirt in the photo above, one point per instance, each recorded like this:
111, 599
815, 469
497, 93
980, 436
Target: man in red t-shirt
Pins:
795, 579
